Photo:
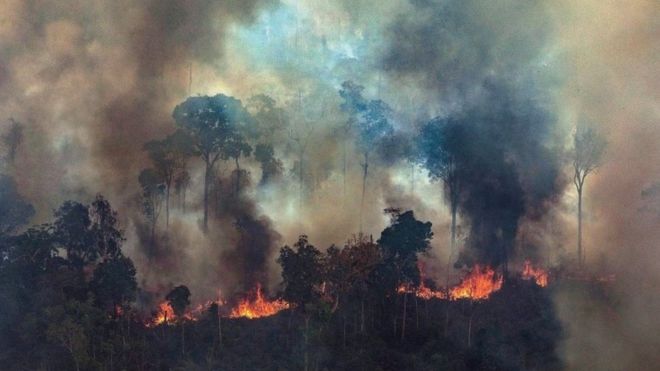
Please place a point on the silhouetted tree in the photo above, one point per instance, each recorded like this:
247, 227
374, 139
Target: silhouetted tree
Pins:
169, 158
400, 244
113, 283
301, 272
271, 167
588, 148
212, 122
437, 145
371, 121
73, 232
236, 147
181, 184
179, 300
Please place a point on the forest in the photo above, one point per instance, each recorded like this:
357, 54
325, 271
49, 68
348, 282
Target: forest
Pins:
312, 185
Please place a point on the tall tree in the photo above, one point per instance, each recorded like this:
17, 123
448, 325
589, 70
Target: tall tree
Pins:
372, 122
271, 167
301, 272
400, 243
588, 148
179, 300
236, 147
181, 184
212, 123
153, 192
437, 144
113, 283
169, 157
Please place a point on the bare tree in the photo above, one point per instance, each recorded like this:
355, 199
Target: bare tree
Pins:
589, 146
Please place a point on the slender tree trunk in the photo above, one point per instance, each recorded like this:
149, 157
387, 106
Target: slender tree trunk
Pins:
184, 199
153, 232
306, 342
219, 329
580, 252
183, 337
238, 176
344, 331
207, 180
344, 169
362, 316
300, 178
167, 206
403, 319
416, 313
365, 172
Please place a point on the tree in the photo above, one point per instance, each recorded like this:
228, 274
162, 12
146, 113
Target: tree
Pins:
179, 300
301, 275
588, 148
12, 139
211, 122
372, 123
181, 184
400, 244
348, 273
271, 167
437, 141
301, 272
108, 237
113, 283
72, 231
236, 147
14, 210
169, 157
153, 192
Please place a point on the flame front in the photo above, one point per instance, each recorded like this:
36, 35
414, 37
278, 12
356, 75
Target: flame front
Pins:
539, 275
478, 284
164, 314
258, 307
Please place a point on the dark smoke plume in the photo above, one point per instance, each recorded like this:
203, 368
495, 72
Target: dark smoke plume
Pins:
479, 70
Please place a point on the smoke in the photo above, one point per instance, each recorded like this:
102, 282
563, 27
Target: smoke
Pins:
479, 62
92, 81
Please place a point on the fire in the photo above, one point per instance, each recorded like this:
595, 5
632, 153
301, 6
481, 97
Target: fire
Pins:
165, 314
539, 275
478, 284
258, 307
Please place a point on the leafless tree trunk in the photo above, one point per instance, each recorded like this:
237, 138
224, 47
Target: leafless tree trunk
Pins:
403, 319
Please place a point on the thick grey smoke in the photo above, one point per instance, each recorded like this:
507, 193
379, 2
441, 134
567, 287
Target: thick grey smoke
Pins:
479, 62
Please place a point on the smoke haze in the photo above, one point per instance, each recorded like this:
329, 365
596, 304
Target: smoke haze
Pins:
92, 81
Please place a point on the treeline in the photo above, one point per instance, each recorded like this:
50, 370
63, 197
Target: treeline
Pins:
68, 295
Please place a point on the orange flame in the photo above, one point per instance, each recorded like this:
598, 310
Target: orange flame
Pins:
479, 284
164, 315
258, 307
539, 275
